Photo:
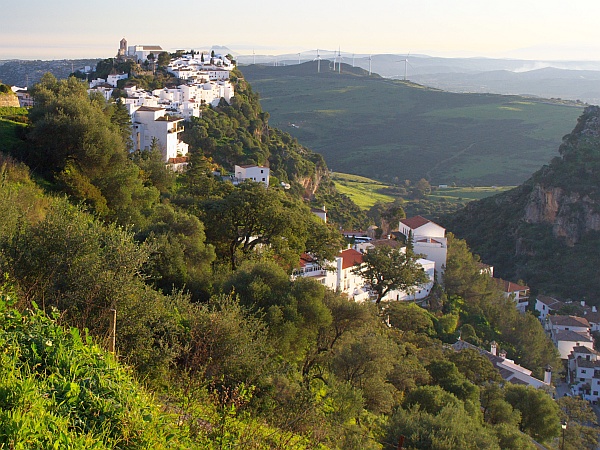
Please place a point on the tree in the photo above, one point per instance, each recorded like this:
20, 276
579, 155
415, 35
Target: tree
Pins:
582, 423
164, 59
387, 269
79, 142
252, 217
539, 413
476, 367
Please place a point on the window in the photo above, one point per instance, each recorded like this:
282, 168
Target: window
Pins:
583, 371
595, 392
582, 379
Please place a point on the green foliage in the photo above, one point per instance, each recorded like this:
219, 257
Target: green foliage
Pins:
387, 269
59, 390
539, 413
451, 428
79, 142
408, 131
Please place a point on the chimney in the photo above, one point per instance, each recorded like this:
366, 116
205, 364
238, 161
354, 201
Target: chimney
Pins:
494, 348
594, 309
548, 375
502, 354
582, 302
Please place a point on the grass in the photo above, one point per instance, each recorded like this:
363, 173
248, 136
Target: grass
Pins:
392, 130
365, 192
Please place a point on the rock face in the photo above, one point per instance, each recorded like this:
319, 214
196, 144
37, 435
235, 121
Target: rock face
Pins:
546, 231
9, 99
570, 215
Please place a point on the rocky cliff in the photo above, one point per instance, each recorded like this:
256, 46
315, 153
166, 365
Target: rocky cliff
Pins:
8, 99
546, 231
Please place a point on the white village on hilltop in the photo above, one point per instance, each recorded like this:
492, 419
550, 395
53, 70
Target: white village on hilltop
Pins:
157, 118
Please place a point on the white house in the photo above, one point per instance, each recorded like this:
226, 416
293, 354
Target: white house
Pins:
251, 172
568, 332
321, 213
141, 52
338, 275
114, 79
583, 372
429, 239
150, 123
419, 292
519, 294
25, 99
546, 305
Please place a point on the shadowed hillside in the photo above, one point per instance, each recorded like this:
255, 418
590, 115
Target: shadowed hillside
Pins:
546, 231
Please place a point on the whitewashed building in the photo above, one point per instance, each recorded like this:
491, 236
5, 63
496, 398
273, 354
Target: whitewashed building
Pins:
429, 239
150, 123
259, 174
568, 332
583, 374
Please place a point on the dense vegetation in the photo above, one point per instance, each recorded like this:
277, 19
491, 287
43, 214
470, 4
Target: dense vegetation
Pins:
391, 130
522, 246
235, 352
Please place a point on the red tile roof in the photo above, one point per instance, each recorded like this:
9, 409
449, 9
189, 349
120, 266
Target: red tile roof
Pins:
178, 160
351, 257
415, 222
509, 286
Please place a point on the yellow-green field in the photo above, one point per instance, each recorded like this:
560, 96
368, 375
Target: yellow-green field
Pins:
365, 192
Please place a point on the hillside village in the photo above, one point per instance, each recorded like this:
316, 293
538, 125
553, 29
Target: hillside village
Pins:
157, 116
157, 121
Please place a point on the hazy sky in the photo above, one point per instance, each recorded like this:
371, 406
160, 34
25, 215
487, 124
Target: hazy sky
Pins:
529, 29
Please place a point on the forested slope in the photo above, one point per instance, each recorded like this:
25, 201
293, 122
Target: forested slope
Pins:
208, 317
546, 231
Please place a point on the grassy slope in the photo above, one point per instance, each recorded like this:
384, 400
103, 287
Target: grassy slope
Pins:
389, 130
365, 192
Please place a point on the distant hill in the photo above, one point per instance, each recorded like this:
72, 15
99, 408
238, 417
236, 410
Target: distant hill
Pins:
392, 130
571, 80
546, 231
23, 73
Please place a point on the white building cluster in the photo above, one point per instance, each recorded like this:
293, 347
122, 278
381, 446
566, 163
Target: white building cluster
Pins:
339, 275
157, 115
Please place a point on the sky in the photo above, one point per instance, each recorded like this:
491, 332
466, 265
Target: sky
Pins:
525, 29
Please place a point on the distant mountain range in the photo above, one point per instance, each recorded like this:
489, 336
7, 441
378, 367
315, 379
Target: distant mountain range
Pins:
572, 80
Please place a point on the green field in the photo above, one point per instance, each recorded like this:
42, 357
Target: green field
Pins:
365, 192
393, 130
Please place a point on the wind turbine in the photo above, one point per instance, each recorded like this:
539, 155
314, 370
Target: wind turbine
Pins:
352, 59
340, 63
298, 58
253, 57
318, 58
405, 61
370, 65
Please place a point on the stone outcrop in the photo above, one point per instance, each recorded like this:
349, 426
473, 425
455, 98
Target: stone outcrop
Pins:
8, 99
570, 215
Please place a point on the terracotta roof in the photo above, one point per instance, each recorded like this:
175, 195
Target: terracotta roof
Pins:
509, 286
569, 321
306, 259
178, 160
351, 257
415, 222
